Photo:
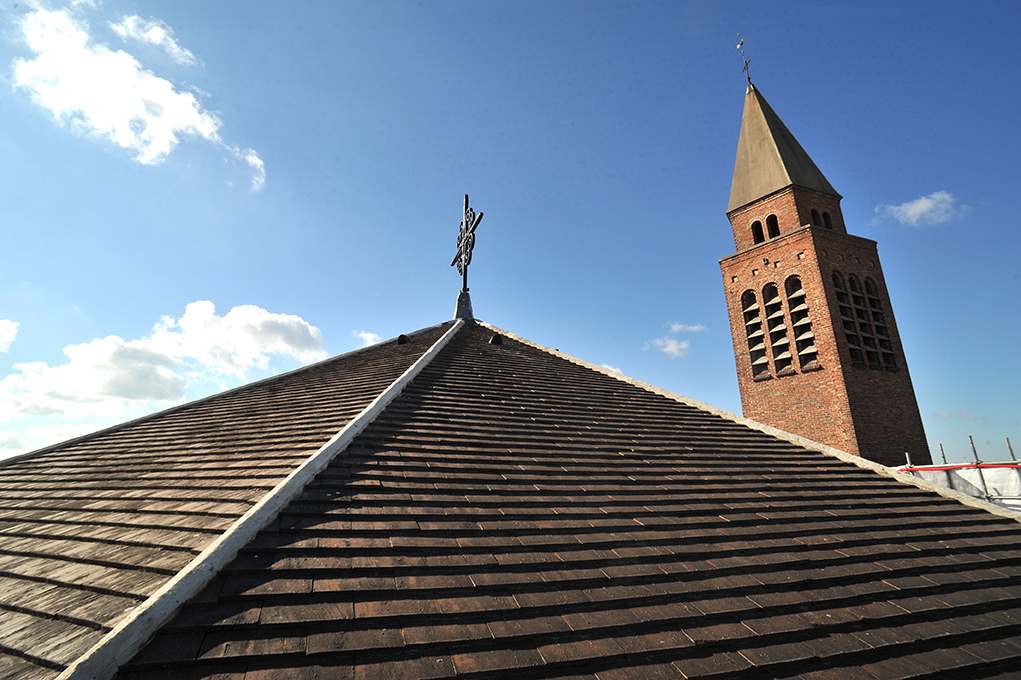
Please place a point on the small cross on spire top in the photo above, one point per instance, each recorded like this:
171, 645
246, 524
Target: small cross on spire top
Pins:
747, 61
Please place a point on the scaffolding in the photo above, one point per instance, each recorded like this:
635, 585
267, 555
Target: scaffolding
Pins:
996, 482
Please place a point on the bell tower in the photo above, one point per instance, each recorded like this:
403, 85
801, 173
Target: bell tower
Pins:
815, 341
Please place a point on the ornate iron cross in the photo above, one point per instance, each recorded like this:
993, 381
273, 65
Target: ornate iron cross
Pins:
465, 243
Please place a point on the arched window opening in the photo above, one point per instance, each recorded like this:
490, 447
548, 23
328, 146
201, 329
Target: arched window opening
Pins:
879, 324
815, 218
854, 343
756, 338
776, 324
772, 226
801, 326
826, 220
861, 313
757, 232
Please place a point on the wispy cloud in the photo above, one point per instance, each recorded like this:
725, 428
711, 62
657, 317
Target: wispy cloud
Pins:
8, 331
675, 347
612, 368
959, 415
671, 346
936, 208
153, 32
108, 94
366, 337
685, 328
110, 377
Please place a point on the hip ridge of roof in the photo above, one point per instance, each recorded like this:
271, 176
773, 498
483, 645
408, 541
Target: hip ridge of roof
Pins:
121, 643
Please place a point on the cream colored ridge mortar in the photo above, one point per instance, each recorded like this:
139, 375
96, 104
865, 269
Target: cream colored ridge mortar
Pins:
128, 637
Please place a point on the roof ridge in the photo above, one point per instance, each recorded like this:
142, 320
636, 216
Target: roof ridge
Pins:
798, 440
201, 400
121, 643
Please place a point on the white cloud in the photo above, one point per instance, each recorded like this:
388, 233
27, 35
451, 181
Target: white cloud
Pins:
671, 346
366, 337
238, 341
936, 208
685, 328
612, 368
255, 163
110, 377
153, 32
959, 415
8, 331
108, 94
10, 442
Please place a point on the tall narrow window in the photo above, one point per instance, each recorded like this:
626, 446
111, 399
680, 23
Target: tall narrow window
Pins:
826, 220
879, 324
815, 218
772, 226
757, 232
854, 342
776, 325
756, 338
861, 313
801, 326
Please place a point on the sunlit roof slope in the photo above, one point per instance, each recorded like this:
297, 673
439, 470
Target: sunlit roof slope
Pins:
92, 528
516, 514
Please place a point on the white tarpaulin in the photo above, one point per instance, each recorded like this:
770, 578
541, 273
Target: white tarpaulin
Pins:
996, 482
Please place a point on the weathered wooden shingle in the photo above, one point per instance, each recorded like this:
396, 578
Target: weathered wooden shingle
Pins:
90, 529
513, 514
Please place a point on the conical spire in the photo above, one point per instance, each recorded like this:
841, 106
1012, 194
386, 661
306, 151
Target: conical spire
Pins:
769, 158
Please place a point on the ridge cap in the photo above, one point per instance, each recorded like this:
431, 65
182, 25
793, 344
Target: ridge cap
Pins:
122, 642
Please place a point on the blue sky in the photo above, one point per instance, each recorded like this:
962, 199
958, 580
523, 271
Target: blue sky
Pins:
197, 194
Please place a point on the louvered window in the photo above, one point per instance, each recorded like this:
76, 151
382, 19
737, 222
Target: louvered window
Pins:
854, 341
776, 328
801, 326
864, 318
879, 325
756, 338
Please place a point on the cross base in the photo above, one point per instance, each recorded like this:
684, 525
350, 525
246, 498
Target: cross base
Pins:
464, 306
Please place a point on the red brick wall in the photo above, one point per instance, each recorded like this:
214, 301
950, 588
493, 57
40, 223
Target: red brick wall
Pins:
886, 416
793, 209
864, 411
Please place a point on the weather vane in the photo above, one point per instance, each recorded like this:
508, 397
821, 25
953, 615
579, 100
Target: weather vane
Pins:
747, 61
465, 243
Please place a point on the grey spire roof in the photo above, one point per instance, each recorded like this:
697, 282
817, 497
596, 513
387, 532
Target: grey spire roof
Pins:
769, 158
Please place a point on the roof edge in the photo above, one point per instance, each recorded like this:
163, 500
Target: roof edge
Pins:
124, 641
798, 440
19, 457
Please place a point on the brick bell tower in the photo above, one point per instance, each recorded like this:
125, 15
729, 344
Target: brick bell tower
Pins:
816, 345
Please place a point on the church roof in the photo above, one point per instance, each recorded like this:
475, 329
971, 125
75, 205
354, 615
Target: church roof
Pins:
464, 502
769, 158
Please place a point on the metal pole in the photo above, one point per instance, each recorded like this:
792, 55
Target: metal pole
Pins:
1010, 450
907, 454
943, 453
978, 466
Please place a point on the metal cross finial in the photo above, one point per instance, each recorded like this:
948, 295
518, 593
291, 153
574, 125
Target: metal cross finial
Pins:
747, 61
465, 243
